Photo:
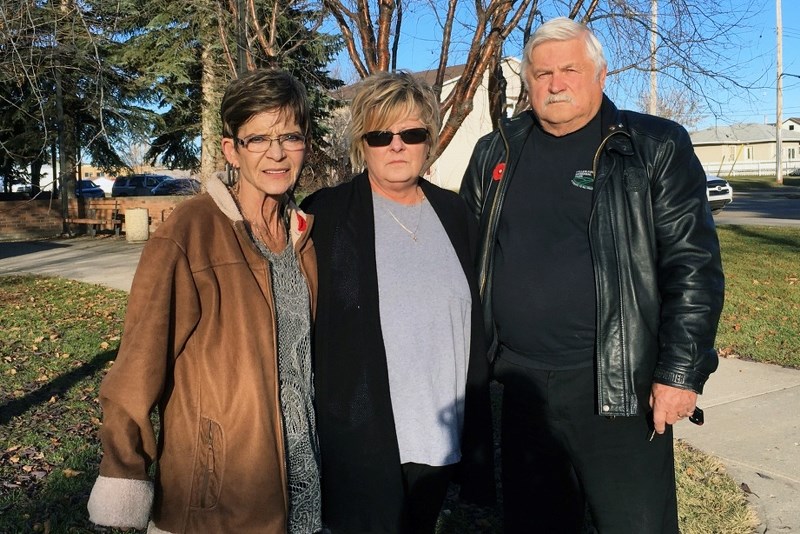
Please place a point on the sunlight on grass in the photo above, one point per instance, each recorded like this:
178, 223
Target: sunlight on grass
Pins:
756, 183
58, 337
761, 316
708, 500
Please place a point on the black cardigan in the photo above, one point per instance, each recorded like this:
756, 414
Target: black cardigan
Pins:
362, 488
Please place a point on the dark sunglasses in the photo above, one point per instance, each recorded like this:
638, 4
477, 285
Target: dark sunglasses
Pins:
412, 136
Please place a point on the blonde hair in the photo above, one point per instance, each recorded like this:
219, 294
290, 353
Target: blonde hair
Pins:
385, 98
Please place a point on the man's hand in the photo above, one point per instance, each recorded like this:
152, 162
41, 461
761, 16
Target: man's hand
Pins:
670, 405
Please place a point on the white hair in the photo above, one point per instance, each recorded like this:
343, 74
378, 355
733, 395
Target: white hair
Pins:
564, 29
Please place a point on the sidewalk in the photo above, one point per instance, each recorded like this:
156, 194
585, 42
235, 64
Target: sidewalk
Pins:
752, 410
105, 260
752, 414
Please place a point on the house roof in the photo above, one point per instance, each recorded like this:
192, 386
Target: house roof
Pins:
740, 134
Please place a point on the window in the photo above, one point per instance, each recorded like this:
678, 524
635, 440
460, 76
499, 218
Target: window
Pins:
749, 153
791, 126
790, 153
87, 175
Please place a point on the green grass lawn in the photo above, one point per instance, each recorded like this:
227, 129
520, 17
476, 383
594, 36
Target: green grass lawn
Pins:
761, 317
754, 183
58, 337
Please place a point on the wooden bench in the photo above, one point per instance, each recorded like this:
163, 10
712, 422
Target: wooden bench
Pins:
100, 212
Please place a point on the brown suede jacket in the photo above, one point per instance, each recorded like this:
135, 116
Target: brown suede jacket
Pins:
200, 343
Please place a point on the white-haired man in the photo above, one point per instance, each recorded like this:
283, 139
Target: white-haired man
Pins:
602, 287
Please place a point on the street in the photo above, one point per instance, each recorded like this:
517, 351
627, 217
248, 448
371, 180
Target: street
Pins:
765, 208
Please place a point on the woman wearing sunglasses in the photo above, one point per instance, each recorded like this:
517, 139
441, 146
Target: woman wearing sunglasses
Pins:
401, 375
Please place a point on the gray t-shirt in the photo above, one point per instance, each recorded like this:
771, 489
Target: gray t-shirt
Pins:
425, 307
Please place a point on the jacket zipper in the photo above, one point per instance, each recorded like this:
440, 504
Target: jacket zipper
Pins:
493, 210
209, 465
600, 402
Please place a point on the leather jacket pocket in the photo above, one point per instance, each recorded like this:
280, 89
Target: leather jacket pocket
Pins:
208, 465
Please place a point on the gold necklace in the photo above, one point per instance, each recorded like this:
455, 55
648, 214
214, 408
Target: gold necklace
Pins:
413, 233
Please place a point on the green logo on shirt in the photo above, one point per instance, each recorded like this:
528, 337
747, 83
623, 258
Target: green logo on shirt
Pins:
584, 180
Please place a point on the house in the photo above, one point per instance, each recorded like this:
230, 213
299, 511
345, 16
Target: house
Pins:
448, 170
747, 149
792, 124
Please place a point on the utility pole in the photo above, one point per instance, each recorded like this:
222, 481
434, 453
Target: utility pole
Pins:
652, 107
779, 94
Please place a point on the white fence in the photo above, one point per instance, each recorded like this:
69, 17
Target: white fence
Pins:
750, 168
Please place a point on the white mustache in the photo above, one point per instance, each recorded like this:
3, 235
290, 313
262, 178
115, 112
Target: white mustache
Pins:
552, 99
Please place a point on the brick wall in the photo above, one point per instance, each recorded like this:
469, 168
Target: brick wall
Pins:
37, 219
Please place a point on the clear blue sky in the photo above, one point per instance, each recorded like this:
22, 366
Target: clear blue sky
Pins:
420, 45
761, 46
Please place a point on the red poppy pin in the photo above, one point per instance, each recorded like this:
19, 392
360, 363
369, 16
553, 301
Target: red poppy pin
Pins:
497, 173
301, 223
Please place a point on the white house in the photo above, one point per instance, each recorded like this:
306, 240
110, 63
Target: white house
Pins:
743, 149
792, 124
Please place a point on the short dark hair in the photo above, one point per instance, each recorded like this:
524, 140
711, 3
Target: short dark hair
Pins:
263, 90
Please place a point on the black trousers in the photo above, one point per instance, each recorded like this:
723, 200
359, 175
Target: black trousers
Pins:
559, 457
425, 489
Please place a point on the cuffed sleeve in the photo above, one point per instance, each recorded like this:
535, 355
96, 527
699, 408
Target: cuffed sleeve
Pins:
117, 502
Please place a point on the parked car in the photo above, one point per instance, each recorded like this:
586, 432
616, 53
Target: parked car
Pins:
719, 192
88, 189
177, 186
795, 172
136, 185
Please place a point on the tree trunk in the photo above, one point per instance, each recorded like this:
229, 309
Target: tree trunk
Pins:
211, 157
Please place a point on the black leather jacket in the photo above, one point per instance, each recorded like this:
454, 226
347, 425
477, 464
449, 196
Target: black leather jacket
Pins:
658, 273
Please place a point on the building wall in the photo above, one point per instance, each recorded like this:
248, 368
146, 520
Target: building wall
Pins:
751, 158
38, 219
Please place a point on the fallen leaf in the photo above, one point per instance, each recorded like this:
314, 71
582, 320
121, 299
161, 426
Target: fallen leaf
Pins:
71, 473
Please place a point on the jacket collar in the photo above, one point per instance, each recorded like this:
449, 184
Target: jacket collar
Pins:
299, 221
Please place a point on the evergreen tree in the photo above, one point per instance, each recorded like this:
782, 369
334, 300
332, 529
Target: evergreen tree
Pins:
59, 63
191, 85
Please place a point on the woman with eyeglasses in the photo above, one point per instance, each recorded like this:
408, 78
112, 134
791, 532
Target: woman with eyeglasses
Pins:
218, 337
401, 374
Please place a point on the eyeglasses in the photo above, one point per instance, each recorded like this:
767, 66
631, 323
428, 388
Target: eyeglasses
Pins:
412, 136
261, 143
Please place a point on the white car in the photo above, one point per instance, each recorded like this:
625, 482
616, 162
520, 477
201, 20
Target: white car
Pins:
719, 192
